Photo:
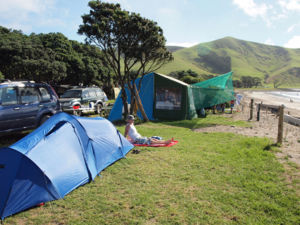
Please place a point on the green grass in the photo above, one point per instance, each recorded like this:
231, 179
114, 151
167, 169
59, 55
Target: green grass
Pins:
207, 178
210, 120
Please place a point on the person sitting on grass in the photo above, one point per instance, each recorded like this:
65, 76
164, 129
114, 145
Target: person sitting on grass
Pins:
134, 137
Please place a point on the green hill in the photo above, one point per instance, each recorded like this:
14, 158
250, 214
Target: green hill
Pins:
174, 48
245, 58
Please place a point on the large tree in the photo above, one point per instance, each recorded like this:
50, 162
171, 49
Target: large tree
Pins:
52, 58
132, 45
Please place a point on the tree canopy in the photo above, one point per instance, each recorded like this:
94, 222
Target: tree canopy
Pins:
50, 58
132, 45
247, 82
188, 76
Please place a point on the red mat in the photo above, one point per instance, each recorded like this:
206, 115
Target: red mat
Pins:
158, 145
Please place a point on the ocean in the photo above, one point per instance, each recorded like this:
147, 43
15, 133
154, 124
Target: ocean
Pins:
291, 95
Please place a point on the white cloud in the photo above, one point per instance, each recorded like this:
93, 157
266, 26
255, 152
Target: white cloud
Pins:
251, 8
290, 5
22, 14
291, 28
294, 42
25, 6
264, 11
269, 42
169, 12
18, 26
182, 44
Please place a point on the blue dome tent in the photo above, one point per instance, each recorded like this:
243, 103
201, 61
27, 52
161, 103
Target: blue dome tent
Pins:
61, 155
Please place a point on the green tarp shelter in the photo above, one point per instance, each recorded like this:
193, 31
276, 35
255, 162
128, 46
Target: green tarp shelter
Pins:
214, 91
167, 98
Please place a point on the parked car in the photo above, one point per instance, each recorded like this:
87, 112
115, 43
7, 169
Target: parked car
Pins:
83, 100
25, 105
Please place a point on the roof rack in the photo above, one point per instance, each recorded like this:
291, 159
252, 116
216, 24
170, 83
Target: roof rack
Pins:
27, 81
20, 81
5, 81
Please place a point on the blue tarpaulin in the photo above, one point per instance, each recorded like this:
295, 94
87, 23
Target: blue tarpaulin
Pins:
61, 155
146, 95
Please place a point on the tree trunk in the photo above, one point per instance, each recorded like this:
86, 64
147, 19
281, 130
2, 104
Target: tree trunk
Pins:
132, 102
125, 104
139, 103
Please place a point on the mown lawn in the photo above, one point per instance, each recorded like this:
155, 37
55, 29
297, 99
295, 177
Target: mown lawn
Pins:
207, 178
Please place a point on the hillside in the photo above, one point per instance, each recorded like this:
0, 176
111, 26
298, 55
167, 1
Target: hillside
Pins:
174, 48
245, 58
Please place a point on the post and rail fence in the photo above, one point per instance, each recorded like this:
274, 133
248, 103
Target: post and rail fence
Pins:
277, 110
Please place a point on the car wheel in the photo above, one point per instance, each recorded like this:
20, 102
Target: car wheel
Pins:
98, 109
44, 118
77, 112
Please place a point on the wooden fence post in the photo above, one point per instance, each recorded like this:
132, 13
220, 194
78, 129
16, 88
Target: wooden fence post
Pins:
280, 124
251, 109
258, 112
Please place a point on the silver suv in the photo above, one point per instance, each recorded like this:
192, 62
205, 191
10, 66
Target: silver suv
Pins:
83, 100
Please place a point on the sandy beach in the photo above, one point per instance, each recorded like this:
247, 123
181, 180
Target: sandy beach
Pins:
291, 107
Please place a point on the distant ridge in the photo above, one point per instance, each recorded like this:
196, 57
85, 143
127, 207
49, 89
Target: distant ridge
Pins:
244, 58
174, 48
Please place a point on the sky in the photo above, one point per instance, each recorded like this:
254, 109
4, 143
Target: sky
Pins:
184, 22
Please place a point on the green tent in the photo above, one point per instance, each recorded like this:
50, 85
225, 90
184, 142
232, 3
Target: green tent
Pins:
173, 99
166, 98
190, 98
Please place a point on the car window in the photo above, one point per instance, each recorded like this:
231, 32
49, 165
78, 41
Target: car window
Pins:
44, 93
99, 92
85, 94
72, 94
28, 95
9, 96
92, 93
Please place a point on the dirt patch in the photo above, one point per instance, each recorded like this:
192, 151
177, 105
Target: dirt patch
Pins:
266, 127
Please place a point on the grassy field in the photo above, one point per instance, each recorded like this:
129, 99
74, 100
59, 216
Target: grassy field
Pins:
207, 178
